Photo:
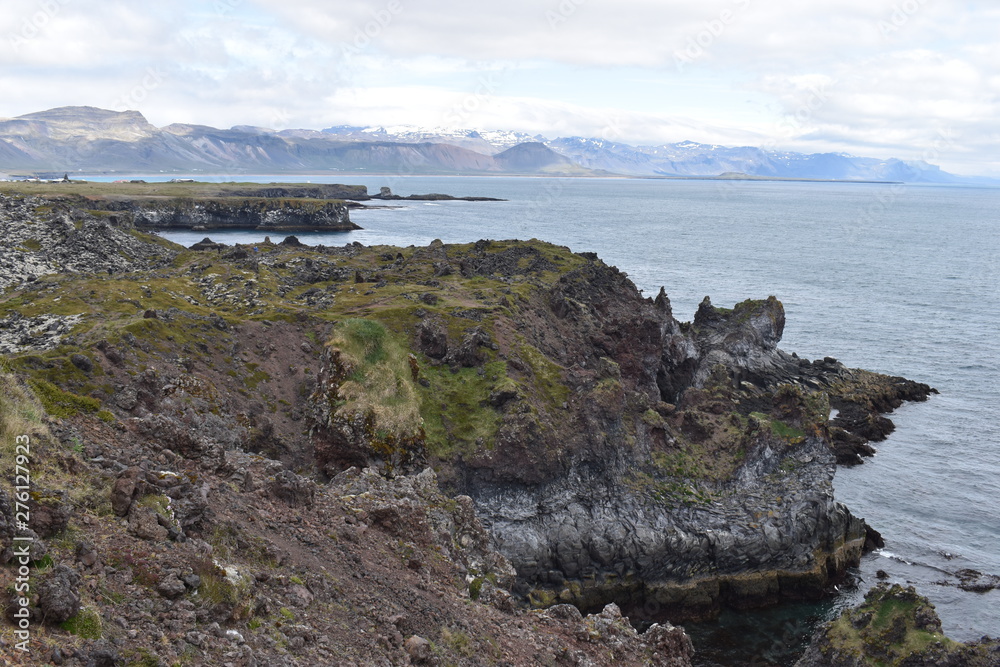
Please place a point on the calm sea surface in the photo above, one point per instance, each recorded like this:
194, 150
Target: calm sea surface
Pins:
897, 279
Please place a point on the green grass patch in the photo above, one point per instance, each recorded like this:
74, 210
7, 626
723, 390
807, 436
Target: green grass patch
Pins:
86, 624
780, 428
458, 641
456, 411
62, 404
546, 376
257, 375
376, 377
20, 412
679, 464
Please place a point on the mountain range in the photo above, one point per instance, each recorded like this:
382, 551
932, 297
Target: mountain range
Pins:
88, 139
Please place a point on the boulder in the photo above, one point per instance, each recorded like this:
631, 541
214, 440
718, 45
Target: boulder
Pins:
125, 490
58, 595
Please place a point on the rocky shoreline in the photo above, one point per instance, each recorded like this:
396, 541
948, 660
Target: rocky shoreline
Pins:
397, 408
188, 204
258, 214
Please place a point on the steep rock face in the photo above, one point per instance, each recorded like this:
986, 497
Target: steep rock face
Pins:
669, 467
611, 516
591, 537
258, 213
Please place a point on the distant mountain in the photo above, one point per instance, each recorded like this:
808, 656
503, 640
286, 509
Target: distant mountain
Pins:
536, 158
488, 143
686, 158
97, 140
91, 139
689, 158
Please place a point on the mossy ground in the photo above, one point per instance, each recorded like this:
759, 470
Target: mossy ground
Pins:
373, 300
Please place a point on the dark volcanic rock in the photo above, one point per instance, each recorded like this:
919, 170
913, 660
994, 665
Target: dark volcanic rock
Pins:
208, 244
258, 213
432, 339
50, 512
126, 488
293, 489
293, 242
58, 597
977, 582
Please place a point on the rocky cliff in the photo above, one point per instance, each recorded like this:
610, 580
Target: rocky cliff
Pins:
218, 404
262, 214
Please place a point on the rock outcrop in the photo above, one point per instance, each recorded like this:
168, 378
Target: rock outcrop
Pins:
894, 626
261, 214
386, 194
43, 237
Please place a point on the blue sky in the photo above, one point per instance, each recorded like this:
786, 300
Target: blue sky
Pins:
914, 79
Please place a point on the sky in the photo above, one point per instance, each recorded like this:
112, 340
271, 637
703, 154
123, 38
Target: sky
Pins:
912, 79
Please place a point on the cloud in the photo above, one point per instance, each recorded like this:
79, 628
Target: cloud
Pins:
437, 107
858, 75
624, 33
902, 102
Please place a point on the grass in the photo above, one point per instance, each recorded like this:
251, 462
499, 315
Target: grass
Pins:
21, 413
780, 428
218, 587
889, 648
143, 658
86, 624
546, 376
158, 503
59, 403
377, 380
458, 641
679, 464
457, 416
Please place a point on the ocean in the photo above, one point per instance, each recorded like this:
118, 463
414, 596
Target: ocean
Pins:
901, 279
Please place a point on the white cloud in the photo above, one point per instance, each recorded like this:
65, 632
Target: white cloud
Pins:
882, 76
437, 107
900, 103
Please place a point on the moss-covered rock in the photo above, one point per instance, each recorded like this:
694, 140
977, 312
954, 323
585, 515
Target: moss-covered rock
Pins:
894, 626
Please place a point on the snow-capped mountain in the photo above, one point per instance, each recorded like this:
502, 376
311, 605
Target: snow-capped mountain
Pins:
685, 158
485, 142
689, 158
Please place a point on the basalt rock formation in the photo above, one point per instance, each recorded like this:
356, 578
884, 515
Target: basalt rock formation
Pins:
604, 450
262, 214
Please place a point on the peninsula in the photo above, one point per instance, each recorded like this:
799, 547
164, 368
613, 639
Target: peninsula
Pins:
189, 204
493, 448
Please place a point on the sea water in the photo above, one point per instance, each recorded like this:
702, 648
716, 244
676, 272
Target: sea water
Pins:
901, 279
